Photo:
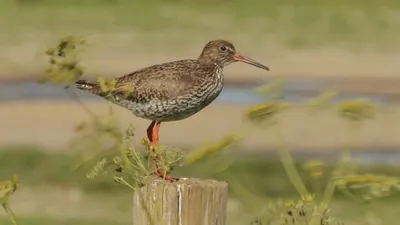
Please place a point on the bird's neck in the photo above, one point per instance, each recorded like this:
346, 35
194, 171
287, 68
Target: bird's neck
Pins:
218, 75
211, 68
216, 69
209, 61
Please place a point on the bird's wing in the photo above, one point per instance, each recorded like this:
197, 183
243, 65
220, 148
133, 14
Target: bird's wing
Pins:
162, 82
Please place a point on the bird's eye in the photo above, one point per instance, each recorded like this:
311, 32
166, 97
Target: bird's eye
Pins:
222, 48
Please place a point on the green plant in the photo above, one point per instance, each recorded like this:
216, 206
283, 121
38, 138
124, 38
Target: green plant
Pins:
313, 208
7, 188
64, 67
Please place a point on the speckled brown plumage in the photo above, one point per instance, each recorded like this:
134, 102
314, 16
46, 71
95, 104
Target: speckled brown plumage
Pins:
174, 90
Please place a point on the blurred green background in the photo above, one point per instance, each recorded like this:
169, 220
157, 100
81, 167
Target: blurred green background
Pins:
318, 40
299, 38
297, 24
52, 192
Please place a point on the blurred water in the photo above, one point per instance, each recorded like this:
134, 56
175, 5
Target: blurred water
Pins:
295, 91
236, 95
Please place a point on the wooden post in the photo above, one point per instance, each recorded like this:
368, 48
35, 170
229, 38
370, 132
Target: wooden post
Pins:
184, 202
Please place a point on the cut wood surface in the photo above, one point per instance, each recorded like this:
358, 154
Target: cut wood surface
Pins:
189, 201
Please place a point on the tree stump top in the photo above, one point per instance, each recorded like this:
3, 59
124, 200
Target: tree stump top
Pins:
191, 182
189, 201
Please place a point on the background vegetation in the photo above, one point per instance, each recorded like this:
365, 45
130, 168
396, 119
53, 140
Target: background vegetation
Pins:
52, 191
298, 24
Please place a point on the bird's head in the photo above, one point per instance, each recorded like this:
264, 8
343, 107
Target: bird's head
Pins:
223, 53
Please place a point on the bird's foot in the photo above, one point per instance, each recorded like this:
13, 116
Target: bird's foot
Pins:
164, 176
156, 158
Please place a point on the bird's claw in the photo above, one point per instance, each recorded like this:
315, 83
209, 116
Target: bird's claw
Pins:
164, 176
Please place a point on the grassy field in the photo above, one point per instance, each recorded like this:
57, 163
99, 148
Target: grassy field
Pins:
299, 24
52, 192
295, 38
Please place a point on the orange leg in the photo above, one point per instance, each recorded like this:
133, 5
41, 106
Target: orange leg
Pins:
153, 134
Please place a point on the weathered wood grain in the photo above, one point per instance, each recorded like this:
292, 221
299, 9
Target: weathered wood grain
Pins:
185, 202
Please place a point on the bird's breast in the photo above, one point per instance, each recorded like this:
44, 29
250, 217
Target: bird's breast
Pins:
200, 95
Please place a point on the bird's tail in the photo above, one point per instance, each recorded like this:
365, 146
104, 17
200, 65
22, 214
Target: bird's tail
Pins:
89, 87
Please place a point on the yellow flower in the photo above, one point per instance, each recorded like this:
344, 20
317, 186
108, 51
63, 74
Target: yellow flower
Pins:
356, 109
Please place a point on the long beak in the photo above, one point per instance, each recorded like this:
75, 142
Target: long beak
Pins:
239, 58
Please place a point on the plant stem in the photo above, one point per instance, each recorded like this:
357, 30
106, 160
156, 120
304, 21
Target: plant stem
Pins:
10, 214
289, 166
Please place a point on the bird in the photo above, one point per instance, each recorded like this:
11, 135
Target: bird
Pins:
172, 91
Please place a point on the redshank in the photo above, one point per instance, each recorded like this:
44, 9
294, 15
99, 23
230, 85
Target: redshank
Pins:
173, 91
